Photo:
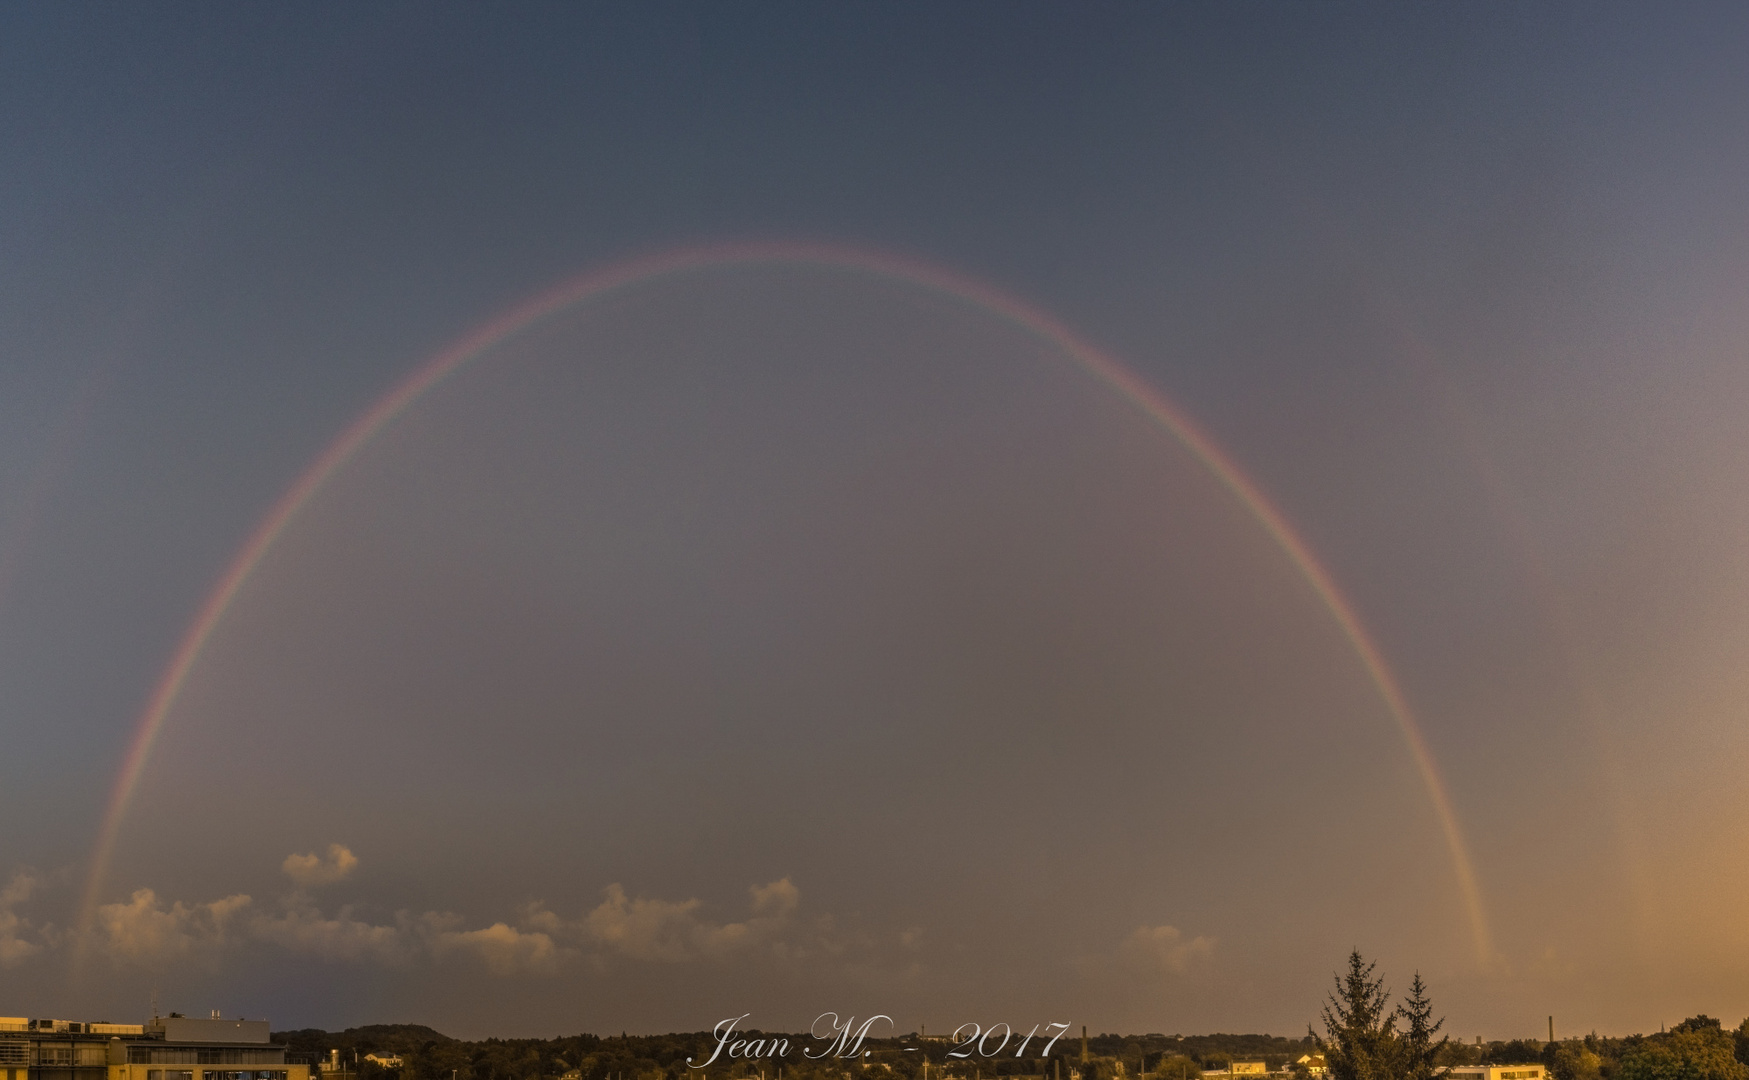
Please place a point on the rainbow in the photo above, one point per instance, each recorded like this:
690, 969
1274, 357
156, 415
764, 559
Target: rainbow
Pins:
594, 285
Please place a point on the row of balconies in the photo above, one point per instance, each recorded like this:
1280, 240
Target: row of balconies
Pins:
205, 1055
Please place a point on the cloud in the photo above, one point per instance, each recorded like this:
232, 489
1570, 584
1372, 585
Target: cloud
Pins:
13, 947
643, 929
778, 899
309, 871
670, 932
504, 949
1164, 948
538, 941
303, 929
143, 929
18, 890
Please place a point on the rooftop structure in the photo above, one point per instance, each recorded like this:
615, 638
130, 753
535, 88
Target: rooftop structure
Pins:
1493, 1072
174, 1047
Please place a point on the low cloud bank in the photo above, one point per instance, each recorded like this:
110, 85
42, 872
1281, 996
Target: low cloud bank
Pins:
14, 947
148, 929
1166, 949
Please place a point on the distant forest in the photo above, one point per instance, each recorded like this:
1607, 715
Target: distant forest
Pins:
1700, 1048
431, 1055
1367, 1036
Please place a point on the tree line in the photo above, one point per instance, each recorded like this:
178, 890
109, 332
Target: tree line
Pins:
1366, 1037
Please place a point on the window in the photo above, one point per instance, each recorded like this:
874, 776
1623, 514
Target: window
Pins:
234, 1055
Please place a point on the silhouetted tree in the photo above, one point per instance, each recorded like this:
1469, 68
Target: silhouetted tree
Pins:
1417, 1047
1360, 1040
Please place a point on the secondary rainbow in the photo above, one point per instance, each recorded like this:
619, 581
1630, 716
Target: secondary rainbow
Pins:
593, 285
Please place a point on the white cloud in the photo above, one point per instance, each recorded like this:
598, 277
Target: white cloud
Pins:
669, 931
18, 890
1164, 948
309, 871
643, 929
13, 946
504, 949
143, 929
303, 929
778, 899
538, 941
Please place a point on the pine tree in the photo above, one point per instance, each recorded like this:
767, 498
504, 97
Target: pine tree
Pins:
1418, 1049
1360, 1041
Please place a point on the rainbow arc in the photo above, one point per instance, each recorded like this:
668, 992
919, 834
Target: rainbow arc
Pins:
596, 285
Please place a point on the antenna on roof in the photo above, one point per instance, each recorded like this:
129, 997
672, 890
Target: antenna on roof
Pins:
154, 1004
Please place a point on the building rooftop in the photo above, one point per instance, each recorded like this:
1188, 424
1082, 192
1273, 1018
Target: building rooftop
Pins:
173, 1028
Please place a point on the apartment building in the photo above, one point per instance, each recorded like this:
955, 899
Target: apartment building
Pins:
174, 1047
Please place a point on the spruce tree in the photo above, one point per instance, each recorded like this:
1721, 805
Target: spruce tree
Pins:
1360, 1041
1417, 1046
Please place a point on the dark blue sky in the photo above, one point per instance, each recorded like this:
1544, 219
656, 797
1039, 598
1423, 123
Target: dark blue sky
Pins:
1461, 287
